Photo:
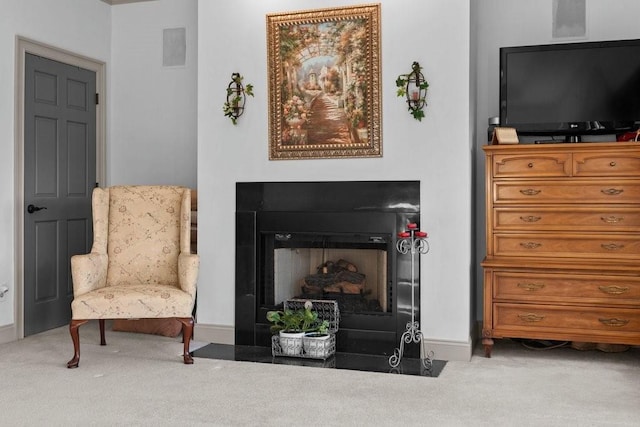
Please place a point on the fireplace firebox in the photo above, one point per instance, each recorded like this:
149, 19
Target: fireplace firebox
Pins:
326, 240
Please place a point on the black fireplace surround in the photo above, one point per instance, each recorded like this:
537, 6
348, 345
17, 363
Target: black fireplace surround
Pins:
362, 214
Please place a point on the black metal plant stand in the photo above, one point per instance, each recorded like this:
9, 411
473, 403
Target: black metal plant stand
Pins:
414, 241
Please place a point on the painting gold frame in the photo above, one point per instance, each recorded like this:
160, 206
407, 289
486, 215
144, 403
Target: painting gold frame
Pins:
324, 83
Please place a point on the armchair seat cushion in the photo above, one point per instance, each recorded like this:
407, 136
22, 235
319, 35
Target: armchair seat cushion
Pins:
133, 301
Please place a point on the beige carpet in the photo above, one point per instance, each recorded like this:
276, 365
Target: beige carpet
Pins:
140, 380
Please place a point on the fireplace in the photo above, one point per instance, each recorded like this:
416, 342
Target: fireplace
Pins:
326, 240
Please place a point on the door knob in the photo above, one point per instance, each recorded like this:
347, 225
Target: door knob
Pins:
31, 208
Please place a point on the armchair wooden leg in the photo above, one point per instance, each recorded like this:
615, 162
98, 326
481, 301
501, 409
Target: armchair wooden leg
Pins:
187, 332
75, 337
102, 340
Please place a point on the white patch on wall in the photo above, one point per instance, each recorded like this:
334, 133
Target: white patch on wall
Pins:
174, 47
569, 18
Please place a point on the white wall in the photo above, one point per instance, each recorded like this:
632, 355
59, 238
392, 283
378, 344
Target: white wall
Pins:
80, 26
153, 108
152, 134
502, 23
436, 151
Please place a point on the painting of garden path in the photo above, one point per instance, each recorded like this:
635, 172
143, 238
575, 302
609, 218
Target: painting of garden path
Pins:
324, 90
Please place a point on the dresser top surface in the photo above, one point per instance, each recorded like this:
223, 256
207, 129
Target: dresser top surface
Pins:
567, 147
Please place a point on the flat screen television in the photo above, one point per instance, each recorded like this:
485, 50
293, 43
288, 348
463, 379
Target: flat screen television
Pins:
571, 88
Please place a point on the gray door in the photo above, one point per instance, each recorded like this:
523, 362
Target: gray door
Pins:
59, 175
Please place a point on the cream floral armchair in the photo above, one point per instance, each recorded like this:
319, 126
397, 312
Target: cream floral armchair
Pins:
140, 265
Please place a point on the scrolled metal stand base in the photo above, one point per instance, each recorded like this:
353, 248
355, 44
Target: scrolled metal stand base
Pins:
411, 241
411, 335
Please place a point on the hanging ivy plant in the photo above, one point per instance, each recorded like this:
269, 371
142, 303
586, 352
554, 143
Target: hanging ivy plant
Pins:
415, 77
234, 106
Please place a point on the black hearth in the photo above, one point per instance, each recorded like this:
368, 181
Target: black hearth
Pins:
326, 240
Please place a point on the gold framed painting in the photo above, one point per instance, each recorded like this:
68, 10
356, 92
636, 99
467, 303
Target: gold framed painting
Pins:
324, 83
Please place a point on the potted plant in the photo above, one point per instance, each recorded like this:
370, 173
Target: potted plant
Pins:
293, 325
317, 344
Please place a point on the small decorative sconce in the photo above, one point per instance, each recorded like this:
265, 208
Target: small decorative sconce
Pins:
236, 97
413, 86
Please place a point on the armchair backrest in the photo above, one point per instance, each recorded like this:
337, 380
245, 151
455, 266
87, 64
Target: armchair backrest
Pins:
142, 229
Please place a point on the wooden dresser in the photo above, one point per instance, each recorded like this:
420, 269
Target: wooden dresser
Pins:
563, 243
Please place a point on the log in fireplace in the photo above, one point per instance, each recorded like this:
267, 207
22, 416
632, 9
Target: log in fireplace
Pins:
326, 240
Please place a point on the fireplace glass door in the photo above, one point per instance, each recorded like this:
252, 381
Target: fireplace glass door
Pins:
352, 269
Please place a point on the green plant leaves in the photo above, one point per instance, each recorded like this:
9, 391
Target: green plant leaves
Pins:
302, 320
231, 106
416, 77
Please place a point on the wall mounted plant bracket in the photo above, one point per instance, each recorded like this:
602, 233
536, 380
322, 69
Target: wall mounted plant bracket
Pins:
236, 97
413, 86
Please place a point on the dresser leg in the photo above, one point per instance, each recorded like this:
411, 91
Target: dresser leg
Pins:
488, 346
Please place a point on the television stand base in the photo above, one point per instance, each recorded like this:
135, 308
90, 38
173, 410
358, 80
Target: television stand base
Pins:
570, 139
573, 138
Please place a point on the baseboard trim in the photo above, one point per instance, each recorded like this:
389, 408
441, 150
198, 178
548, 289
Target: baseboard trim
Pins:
459, 351
8, 333
218, 334
442, 349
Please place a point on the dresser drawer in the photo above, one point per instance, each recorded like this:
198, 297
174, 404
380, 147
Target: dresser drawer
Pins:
568, 245
606, 163
532, 165
566, 288
574, 191
592, 320
536, 218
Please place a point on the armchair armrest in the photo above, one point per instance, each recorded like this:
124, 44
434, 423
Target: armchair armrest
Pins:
188, 267
89, 272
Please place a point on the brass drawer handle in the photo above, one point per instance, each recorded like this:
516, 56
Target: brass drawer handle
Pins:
612, 219
530, 245
530, 192
611, 246
614, 322
530, 218
530, 317
614, 290
612, 164
531, 286
611, 191
530, 165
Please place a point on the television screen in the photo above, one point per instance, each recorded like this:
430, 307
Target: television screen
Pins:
572, 88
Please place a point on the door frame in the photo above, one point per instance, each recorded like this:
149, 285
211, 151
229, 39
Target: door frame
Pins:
24, 46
